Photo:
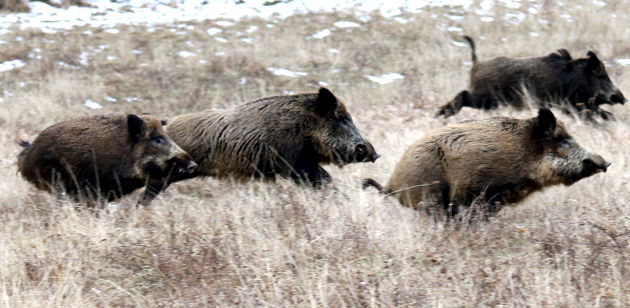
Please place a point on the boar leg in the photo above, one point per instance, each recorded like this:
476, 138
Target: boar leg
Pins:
310, 172
463, 99
150, 192
607, 116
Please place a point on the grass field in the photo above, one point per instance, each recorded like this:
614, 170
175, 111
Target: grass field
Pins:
209, 243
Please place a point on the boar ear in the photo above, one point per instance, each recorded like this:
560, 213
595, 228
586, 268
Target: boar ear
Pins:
135, 126
593, 64
545, 124
326, 101
164, 122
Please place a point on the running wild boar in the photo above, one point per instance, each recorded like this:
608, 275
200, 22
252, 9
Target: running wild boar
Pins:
499, 160
103, 157
289, 136
556, 78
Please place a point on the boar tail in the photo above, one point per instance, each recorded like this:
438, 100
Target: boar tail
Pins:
472, 46
26, 145
370, 182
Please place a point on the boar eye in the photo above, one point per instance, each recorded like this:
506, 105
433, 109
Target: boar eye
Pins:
565, 143
158, 141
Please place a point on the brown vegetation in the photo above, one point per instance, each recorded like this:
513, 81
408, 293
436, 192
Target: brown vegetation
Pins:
210, 243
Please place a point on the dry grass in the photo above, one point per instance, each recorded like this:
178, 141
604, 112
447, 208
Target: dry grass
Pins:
206, 243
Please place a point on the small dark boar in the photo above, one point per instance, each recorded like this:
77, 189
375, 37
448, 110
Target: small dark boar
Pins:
287, 136
103, 156
583, 83
499, 160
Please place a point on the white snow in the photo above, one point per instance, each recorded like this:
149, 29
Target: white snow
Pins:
346, 24
384, 79
92, 104
285, 72
391, 13
455, 17
106, 13
333, 50
213, 31
224, 23
322, 34
459, 44
220, 39
185, 54
9, 65
623, 62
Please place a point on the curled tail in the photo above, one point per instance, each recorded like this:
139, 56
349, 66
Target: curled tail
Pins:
472, 46
26, 145
370, 182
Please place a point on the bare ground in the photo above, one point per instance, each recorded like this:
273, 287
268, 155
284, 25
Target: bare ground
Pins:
207, 243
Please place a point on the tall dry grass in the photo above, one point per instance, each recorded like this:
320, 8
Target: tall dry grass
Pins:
209, 243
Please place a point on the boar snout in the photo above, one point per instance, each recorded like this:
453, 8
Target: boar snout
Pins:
618, 98
596, 165
365, 153
375, 157
360, 153
184, 163
192, 166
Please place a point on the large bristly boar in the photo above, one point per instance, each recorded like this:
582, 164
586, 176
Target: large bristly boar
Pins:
499, 160
288, 136
103, 156
555, 78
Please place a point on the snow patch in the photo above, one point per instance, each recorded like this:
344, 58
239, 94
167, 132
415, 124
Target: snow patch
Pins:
213, 31
109, 13
322, 34
384, 79
346, 24
185, 54
285, 72
92, 104
9, 65
459, 44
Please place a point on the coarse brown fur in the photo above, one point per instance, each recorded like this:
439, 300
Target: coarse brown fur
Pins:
555, 78
287, 136
103, 156
499, 160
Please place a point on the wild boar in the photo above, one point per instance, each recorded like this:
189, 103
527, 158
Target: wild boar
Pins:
103, 156
556, 78
498, 160
289, 136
